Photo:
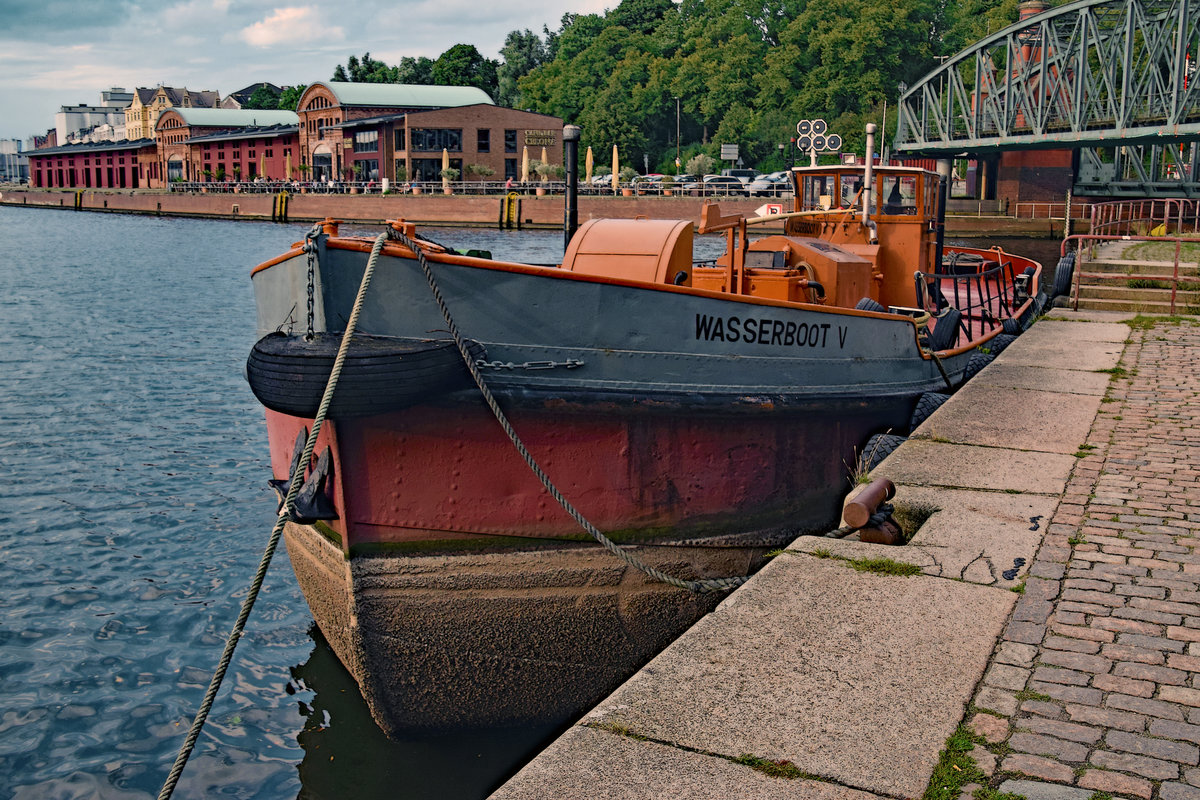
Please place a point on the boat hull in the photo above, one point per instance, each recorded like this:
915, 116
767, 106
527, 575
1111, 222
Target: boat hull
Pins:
695, 428
487, 639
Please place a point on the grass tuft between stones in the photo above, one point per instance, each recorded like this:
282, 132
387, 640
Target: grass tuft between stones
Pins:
884, 566
776, 769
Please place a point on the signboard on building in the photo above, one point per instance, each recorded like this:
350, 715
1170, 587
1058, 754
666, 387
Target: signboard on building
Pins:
540, 138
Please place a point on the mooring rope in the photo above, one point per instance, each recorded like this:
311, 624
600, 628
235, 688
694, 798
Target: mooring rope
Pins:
699, 586
297, 479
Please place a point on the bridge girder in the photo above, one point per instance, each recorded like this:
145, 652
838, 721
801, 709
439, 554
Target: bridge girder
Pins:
1092, 73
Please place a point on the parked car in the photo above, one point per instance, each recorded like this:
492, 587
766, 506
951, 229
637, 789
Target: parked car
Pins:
744, 175
776, 184
714, 185
648, 184
724, 184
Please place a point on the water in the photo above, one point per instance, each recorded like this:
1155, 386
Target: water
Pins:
134, 512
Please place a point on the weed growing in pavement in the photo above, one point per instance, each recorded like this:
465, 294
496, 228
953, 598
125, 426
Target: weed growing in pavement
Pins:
1077, 539
619, 729
884, 566
776, 769
956, 768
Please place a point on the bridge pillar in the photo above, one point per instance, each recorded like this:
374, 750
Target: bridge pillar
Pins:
1034, 176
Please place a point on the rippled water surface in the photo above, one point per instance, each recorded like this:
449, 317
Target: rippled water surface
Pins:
134, 510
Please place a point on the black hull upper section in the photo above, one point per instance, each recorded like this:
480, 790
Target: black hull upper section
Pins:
288, 373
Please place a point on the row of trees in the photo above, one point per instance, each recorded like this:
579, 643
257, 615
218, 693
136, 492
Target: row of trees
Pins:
725, 71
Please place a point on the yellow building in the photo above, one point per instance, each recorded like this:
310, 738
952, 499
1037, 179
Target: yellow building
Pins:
141, 116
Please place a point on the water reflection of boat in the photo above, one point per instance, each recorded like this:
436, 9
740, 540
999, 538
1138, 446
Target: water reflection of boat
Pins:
344, 747
699, 413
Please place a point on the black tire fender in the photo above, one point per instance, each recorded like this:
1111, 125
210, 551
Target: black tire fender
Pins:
945, 330
927, 403
975, 364
877, 448
999, 343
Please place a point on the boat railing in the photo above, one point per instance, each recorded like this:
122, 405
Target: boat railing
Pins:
983, 290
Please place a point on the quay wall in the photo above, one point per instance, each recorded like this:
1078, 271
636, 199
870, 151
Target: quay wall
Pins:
450, 210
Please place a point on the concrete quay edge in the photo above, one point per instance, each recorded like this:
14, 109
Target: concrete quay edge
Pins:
536, 212
855, 678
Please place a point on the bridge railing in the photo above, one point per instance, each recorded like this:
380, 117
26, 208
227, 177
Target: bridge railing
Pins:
1045, 210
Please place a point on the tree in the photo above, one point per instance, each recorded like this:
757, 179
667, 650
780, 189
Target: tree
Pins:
417, 71
290, 99
640, 16
263, 97
523, 51
463, 65
366, 70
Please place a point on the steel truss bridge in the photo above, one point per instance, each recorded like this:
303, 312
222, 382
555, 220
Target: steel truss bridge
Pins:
1114, 79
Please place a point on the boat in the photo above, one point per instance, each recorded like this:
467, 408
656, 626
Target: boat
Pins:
698, 412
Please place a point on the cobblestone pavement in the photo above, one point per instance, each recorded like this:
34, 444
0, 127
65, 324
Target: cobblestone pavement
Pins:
1095, 684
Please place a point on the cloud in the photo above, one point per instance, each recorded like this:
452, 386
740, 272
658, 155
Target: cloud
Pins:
291, 25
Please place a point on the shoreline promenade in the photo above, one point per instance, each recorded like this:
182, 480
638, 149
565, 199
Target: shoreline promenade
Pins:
1038, 637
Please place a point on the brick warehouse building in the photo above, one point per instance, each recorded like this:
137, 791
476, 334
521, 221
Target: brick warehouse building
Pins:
234, 143
99, 165
398, 131
393, 131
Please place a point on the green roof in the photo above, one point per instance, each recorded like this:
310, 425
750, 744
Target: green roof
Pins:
405, 95
234, 117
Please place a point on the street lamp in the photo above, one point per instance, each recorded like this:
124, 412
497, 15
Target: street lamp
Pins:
676, 136
902, 87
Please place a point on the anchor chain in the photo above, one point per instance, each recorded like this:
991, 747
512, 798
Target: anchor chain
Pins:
310, 246
702, 586
570, 363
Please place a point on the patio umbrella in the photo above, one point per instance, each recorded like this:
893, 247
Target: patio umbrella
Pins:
524, 164
445, 166
287, 167
545, 176
587, 165
616, 166
262, 165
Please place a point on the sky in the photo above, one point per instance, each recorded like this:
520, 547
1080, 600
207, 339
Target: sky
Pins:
65, 52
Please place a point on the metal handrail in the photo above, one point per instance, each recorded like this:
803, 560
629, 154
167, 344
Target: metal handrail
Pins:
1092, 239
1129, 217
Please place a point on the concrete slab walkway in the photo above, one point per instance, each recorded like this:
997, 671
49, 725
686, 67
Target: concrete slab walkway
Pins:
1055, 608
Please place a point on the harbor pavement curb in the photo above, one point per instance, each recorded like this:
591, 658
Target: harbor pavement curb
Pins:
1055, 608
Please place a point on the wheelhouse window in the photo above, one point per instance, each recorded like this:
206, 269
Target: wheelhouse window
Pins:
817, 192
899, 194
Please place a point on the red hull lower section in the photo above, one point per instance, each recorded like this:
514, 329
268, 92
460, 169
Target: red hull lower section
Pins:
451, 472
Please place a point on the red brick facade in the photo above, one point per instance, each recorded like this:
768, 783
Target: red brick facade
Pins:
108, 165
189, 152
334, 138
